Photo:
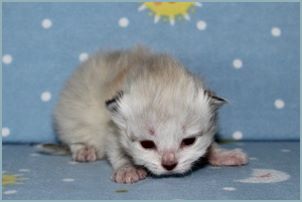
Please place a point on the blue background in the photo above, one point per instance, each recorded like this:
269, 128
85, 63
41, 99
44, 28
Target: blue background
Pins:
44, 58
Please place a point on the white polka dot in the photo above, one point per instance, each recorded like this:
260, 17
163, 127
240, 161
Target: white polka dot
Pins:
123, 22
8, 192
237, 63
5, 132
279, 104
73, 162
276, 31
68, 180
198, 4
46, 23
7, 59
229, 188
24, 170
285, 150
215, 167
34, 155
83, 57
45, 96
201, 25
237, 135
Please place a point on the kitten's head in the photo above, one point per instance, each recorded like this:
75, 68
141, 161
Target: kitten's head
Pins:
166, 131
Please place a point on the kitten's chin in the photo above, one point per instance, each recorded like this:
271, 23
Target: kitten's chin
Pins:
162, 172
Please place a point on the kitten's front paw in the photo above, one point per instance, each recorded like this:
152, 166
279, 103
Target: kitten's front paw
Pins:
228, 158
129, 174
85, 154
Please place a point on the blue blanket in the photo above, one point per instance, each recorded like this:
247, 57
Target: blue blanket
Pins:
272, 173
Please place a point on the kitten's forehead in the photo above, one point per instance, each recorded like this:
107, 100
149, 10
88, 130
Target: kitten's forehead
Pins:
172, 130
167, 115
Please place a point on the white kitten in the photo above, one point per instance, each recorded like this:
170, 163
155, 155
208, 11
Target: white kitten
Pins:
141, 111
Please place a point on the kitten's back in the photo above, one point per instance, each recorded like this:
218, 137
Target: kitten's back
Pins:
80, 115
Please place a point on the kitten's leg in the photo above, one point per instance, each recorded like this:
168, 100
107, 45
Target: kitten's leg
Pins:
83, 153
123, 170
223, 157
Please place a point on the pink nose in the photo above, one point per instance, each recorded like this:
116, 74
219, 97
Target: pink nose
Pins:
169, 161
169, 167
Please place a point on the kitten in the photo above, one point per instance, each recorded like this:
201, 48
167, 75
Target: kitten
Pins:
142, 111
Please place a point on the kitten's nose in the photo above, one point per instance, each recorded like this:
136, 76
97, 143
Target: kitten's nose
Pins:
169, 161
169, 166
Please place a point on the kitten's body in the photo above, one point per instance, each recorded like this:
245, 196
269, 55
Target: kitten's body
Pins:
148, 97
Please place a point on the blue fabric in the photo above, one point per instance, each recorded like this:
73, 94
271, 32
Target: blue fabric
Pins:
276, 167
268, 75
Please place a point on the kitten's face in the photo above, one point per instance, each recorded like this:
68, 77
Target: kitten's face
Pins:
167, 151
165, 139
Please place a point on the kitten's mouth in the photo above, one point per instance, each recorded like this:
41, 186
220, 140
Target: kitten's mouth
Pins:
175, 172
158, 172
170, 174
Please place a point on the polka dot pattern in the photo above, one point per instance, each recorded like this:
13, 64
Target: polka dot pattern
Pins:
240, 61
246, 54
237, 63
7, 59
237, 135
201, 25
73, 162
198, 4
46, 96
285, 150
276, 32
68, 180
25, 173
5, 132
83, 57
24, 170
279, 104
34, 155
9, 192
46, 23
123, 22
229, 188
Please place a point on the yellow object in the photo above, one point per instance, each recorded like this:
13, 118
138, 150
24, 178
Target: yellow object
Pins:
169, 10
12, 179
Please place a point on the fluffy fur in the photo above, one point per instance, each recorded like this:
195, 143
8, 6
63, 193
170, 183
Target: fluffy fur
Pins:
114, 101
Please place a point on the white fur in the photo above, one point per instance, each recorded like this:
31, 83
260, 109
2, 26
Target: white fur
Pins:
158, 93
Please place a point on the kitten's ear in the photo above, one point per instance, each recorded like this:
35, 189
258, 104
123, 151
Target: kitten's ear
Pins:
112, 104
215, 100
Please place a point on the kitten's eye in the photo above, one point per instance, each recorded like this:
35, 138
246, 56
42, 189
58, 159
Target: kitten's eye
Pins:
188, 141
148, 144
